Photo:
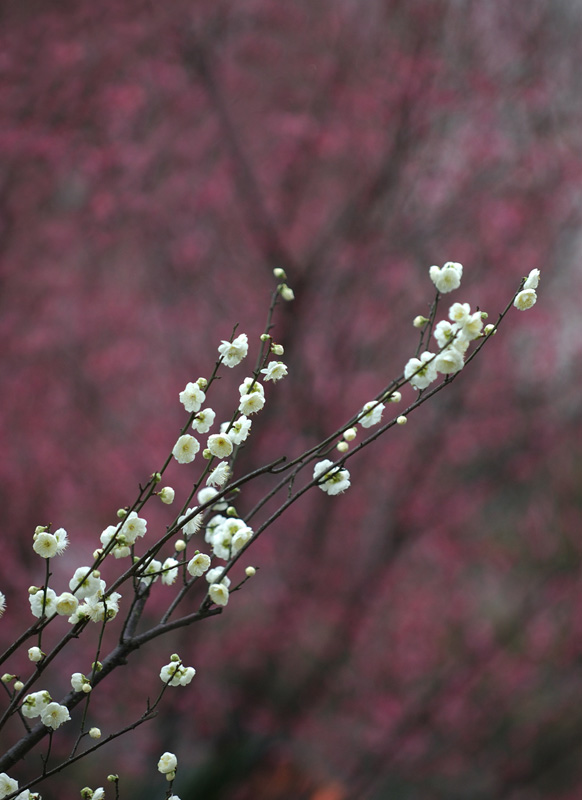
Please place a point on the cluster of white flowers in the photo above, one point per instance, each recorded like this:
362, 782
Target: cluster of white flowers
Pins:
88, 586
47, 544
332, 481
124, 535
527, 297
227, 535
448, 277
218, 590
252, 396
40, 704
175, 673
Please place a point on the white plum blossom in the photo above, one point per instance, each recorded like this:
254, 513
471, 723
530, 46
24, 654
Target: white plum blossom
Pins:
220, 445
218, 593
170, 571
185, 449
459, 312
447, 278
421, 371
198, 565
251, 403
151, 572
232, 353
133, 527
204, 420
213, 574
85, 582
7, 785
54, 715
193, 525
449, 361
472, 326
2, 603
250, 385
175, 673
274, 371
446, 332
41, 604
240, 429
219, 475
212, 526
121, 548
336, 480
34, 704
373, 414
45, 544
192, 397
62, 538
167, 764
67, 604
532, 280
525, 299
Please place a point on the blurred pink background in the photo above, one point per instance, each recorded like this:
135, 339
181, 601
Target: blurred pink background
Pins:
419, 637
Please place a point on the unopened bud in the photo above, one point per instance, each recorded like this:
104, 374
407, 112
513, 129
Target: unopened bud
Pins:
277, 349
250, 571
280, 274
419, 322
285, 292
179, 545
402, 420
343, 447
350, 434
121, 513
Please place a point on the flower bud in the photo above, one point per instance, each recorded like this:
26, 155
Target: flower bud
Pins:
280, 274
167, 495
419, 322
250, 571
402, 420
121, 513
285, 292
95, 733
350, 434
277, 349
35, 654
343, 447
179, 545
18, 685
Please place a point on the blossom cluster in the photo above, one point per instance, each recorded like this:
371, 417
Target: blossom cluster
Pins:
40, 704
